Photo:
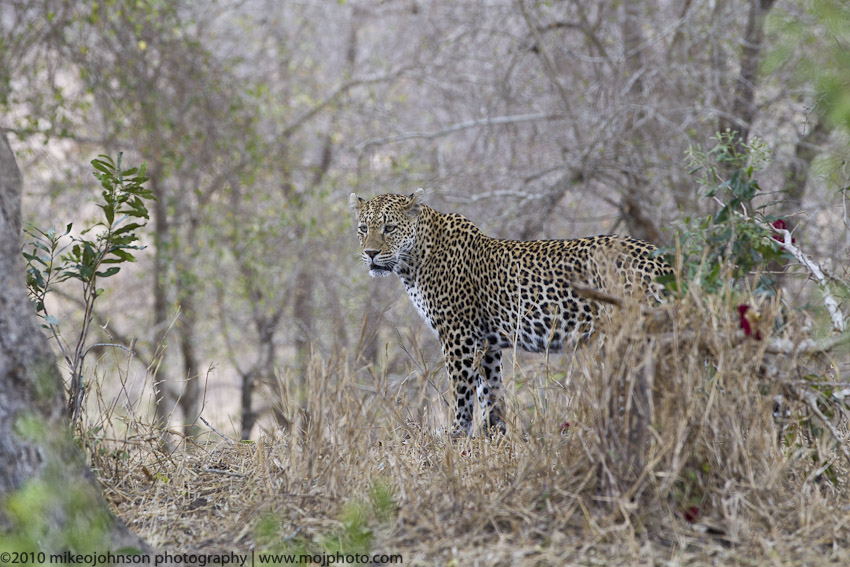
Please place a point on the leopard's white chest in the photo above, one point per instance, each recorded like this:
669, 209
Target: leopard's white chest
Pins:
418, 299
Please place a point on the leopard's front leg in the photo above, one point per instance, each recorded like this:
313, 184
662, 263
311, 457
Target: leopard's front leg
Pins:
464, 378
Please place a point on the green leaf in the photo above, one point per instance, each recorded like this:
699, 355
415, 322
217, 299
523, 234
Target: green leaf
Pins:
127, 228
109, 272
102, 167
109, 213
122, 256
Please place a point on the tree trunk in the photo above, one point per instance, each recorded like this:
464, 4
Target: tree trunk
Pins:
805, 151
538, 212
634, 200
743, 109
637, 218
47, 493
163, 401
262, 371
302, 312
192, 398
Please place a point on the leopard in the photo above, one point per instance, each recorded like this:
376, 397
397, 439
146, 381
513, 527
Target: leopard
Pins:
481, 295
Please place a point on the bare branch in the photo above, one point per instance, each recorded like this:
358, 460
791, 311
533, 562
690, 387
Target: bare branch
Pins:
113, 345
839, 322
220, 434
466, 125
806, 346
548, 65
338, 91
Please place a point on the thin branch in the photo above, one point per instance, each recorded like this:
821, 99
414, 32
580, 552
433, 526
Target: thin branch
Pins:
839, 322
220, 434
224, 472
113, 345
466, 125
584, 28
543, 54
805, 347
333, 96
103, 322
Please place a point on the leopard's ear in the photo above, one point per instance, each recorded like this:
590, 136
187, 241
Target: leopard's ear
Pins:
356, 203
414, 203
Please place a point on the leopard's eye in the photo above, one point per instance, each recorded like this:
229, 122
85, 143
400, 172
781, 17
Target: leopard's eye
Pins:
361, 228
389, 228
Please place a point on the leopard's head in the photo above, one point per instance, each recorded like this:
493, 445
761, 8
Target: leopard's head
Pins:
386, 225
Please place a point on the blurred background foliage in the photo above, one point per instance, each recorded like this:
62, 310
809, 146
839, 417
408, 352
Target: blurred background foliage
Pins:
256, 119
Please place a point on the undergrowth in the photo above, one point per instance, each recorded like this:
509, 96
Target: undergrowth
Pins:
678, 437
710, 429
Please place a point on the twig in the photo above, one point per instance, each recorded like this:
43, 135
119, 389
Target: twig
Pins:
113, 345
220, 471
220, 434
102, 322
809, 398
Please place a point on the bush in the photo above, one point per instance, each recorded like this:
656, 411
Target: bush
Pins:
97, 253
733, 244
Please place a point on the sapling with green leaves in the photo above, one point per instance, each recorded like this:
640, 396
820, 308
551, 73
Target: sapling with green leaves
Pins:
98, 252
732, 243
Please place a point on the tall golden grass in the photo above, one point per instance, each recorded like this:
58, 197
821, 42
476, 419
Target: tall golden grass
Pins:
674, 439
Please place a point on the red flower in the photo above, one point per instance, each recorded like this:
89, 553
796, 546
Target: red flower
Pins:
565, 426
747, 322
780, 225
691, 514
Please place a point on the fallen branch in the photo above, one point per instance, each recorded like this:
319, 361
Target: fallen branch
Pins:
787, 243
805, 346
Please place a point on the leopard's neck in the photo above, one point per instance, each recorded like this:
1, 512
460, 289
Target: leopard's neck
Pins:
411, 262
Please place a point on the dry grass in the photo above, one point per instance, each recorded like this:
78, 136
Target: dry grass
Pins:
663, 445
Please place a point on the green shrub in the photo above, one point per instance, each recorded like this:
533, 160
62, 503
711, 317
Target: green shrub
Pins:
97, 253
